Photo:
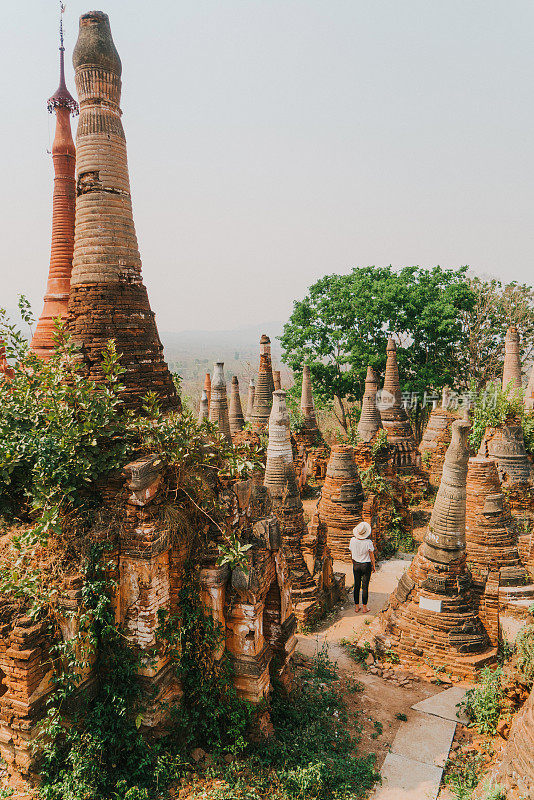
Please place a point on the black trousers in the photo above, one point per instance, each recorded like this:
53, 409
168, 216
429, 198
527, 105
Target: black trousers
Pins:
362, 576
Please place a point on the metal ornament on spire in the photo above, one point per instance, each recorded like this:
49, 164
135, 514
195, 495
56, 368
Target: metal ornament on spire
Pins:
62, 98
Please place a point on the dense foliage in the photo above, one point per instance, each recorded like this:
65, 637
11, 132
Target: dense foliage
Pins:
492, 407
449, 329
342, 326
497, 306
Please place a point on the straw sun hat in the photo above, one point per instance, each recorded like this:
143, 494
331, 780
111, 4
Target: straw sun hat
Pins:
362, 530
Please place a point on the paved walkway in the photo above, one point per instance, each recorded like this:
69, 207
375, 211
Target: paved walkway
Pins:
413, 768
349, 624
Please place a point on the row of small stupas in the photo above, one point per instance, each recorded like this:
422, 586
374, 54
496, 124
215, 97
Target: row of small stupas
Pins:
475, 561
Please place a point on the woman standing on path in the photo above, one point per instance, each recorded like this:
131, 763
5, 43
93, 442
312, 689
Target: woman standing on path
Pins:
363, 562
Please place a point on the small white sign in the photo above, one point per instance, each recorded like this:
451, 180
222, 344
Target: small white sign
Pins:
430, 604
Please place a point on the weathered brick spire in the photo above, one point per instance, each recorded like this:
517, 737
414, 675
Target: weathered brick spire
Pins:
511, 373
250, 399
207, 387
263, 397
281, 482
490, 536
341, 503
277, 379
204, 409
107, 298
237, 423
219, 401
394, 418
370, 422
63, 207
432, 612
307, 406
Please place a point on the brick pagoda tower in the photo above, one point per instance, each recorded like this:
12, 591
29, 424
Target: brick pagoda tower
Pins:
370, 422
394, 418
511, 373
432, 613
107, 297
263, 397
63, 208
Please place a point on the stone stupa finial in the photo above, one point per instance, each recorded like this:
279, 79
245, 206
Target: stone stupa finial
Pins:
444, 540
307, 406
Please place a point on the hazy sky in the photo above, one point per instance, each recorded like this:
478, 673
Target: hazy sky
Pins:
271, 142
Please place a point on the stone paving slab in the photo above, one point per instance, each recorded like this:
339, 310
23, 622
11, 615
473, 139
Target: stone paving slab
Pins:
406, 779
425, 738
444, 704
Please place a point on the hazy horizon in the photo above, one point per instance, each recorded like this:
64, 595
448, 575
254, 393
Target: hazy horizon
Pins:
273, 142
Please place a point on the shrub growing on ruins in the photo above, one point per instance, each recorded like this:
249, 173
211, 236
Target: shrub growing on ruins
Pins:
524, 650
492, 408
483, 703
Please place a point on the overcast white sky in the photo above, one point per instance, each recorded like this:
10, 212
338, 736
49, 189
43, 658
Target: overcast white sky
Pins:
274, 141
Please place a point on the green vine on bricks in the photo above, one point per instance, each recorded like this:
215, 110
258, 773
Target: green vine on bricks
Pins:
211, 714
89, 745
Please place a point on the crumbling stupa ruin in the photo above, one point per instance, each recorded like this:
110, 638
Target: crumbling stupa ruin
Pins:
263, 395
235, 413
63, 211
370, 421
108, 299
207, 387
436, 439
307, 407
516, 767
277, 380
204, 408
281, 482
219, 401
511, 375
432, 612
250, 399
499, 577
406, 456
340, 506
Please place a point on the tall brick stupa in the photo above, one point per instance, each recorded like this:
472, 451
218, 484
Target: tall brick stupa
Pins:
370, 422
108, 299
263, 396
63, 208
511, 373
432, 613
394, 417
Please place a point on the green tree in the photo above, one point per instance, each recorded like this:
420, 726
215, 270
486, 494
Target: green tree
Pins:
496, 307
342, 326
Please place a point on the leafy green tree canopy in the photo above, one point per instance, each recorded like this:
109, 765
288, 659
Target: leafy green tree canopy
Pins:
342, 326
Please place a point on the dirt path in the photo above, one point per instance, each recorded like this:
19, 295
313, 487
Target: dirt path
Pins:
383, 698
